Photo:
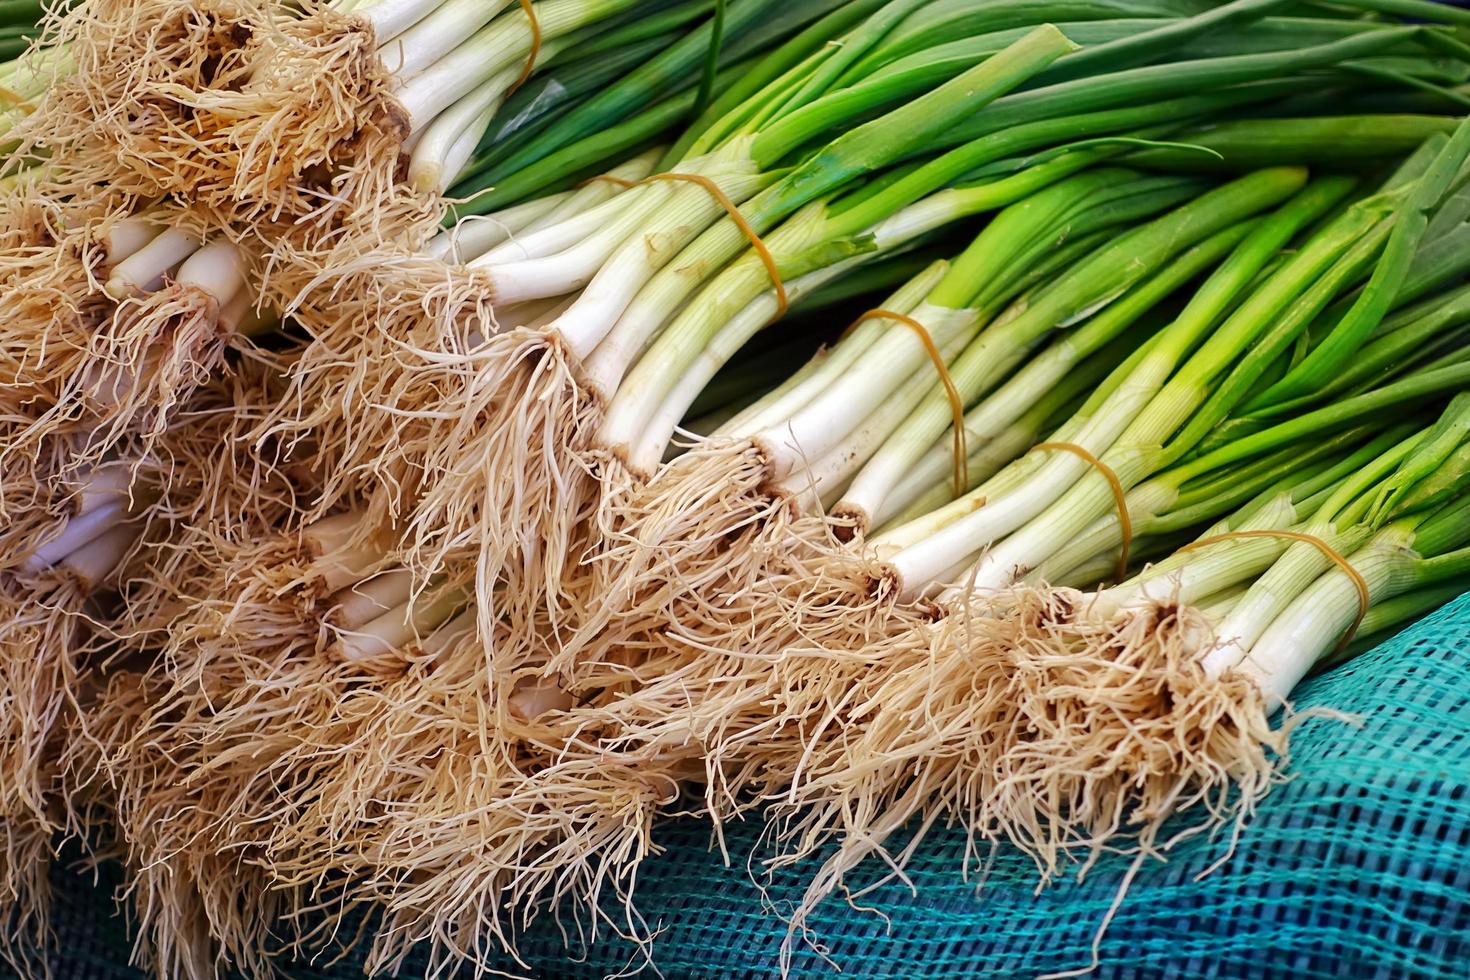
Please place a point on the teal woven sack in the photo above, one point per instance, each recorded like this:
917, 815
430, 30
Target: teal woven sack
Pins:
1357, 867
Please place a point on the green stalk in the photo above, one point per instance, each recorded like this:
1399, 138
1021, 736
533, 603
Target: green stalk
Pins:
1334, 141
1410, 223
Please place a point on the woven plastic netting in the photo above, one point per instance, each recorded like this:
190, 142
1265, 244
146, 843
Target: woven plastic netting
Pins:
1357, 867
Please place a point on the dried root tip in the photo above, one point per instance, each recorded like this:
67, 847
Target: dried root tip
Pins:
1057, 728
504, 478
43, 643
682, 533
1116, 727
849, 522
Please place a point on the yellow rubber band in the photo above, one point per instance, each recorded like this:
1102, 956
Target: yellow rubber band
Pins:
1335, 556
956, 404
535, 51
1120, 496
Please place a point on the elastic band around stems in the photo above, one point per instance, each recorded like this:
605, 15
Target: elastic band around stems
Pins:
16, 100
622, 182
535, 48
956, 404
1332, 554
723, 199
1120, 496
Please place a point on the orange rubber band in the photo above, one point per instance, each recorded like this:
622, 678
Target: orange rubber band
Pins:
1120, 496
956, 404
16, 100
723, 199
535, 51
1332, 554
623, 182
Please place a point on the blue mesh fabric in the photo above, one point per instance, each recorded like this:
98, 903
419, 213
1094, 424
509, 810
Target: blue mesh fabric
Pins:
1357, 867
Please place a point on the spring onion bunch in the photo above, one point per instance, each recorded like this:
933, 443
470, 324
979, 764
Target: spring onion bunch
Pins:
435, 614
336, 677
1005, 716
504, 473
1066, 721
129, 528
344, 117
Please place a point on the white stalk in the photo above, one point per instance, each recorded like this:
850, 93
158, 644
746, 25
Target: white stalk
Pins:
397, 628
917, 434
666, 300
551, 273
1299, 566
1186, 576
93, 563
1062, 472
829, 472
450, 141
450, 633
684, 215
1009, 479
366, 601
445, 28
1316, 619
644, 447
143, 271
532, 697
896, 357
1216, 608
553, 237
1105, 536
550, 312
390, 18
238, 316
475, 235
930, 485
330, 533
218, 269
124, 238
633, 338
504, 42
740, 423
104, 484
336, 561
838, 360
78, 532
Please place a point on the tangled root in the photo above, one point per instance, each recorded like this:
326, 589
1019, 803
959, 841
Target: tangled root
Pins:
42, 641
701, 527
272, 781
280, 126
191, 790
200, 904
392, 337
156, 352
1115, 726
1036, 721
53, 302
125, 112
502, 474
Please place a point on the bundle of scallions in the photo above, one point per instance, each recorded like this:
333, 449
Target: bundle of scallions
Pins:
1036, 712
608, 315
862, 410
342, 118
